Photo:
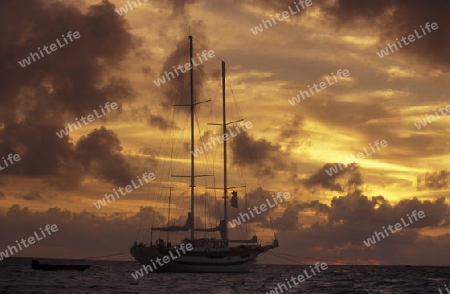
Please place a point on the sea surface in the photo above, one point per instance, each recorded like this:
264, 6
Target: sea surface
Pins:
16, 276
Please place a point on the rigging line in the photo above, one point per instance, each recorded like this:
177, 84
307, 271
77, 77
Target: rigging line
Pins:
271, 224
176, 153
216, 154
229, 82
145, 204
110, 255
177, 94
172, 155
239, 170
286, 258
160, 147
216, 205
246, 206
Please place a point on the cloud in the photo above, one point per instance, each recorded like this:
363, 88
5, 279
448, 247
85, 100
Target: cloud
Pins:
73, 80
31, 196
292, 133
348, 178
352, 218
319, 229
77, 231
99, 152
433, 181
393, 19
160, 122
261, 156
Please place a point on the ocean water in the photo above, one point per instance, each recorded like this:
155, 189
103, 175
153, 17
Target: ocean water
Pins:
16, 276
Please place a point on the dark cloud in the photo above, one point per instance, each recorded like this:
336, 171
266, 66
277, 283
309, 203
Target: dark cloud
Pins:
291, 128
100, 153
264, 158
433, 181
146, 70
36, 101
393, 19
71, 79
314, 205
2, 195
292, 133
376, 211
349, 220
31, 196
256, 198
346, 222
41, 151
288, 221
160, 122
347, 178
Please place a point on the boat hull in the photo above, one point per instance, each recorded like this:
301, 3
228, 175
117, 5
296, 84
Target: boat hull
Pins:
195, 262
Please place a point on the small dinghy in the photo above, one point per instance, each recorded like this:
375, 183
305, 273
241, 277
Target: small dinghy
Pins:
36, 265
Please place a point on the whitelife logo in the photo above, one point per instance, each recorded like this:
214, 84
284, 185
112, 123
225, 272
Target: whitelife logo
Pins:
284, 14
323, 86
53, 48
4, 254
90, 118
187, 67
166, 259
10, 157
334, 169
263, 207
398, 227
225, 137
124, 9
102, 202
300, 279
423, 123
411, 38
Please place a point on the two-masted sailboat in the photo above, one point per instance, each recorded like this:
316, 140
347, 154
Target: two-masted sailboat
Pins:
208, 255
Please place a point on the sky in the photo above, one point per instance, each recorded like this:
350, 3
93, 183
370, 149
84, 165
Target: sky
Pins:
290, 148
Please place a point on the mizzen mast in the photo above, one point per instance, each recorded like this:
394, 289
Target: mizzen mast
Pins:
192, 138
224, 128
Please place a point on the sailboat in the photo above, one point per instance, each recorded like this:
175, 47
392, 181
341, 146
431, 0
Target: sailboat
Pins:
208, 254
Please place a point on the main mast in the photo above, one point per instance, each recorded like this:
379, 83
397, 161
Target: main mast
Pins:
224, 129
192, 137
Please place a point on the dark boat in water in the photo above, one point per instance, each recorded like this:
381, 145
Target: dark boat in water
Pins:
216, 254
36, 265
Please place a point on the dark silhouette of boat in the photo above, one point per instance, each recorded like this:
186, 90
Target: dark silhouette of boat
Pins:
36, 265
209, 255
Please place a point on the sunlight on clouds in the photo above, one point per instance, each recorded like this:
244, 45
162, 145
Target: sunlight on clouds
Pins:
434, 232
360, 40
247, 75
398, 72
386, 94
370, 162
254, 9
